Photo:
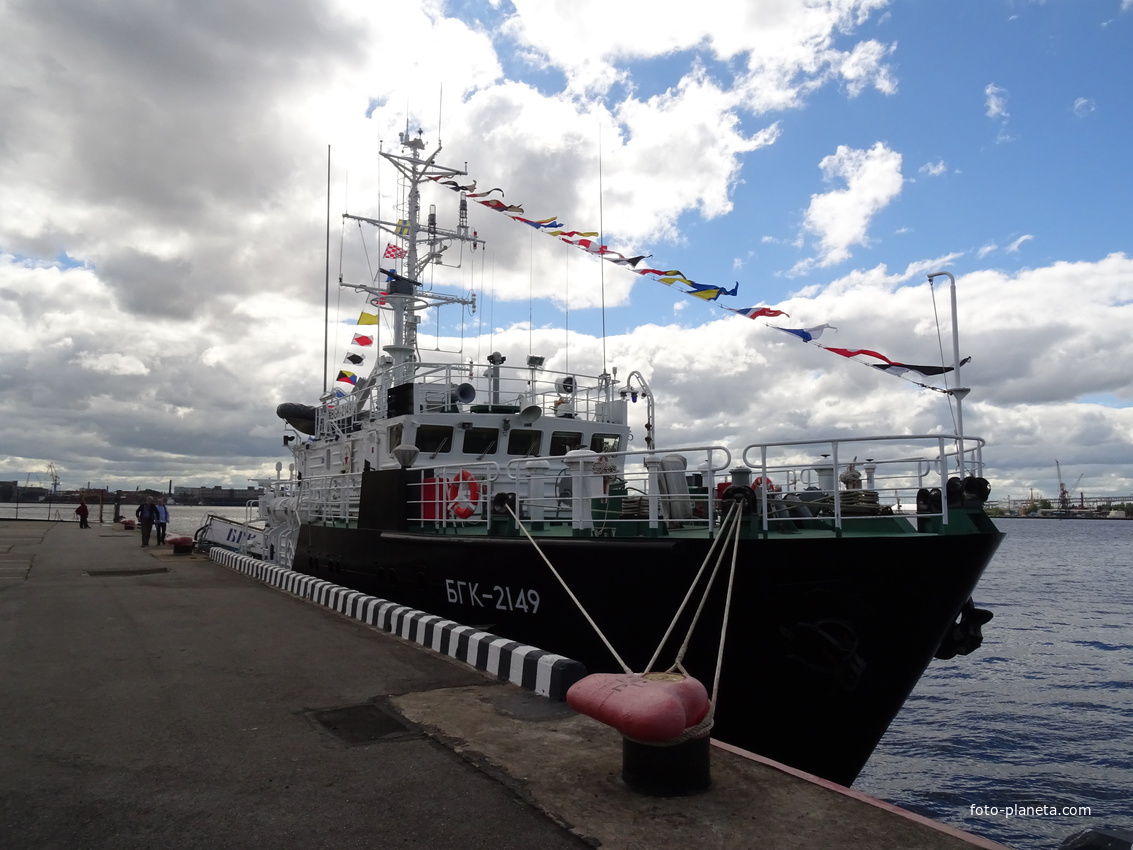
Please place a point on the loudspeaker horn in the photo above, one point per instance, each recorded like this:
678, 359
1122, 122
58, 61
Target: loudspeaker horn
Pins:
464, 394
529, 415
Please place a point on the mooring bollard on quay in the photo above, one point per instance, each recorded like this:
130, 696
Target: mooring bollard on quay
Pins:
664, 720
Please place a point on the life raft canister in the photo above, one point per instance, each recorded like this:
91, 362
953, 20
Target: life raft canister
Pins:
463, 495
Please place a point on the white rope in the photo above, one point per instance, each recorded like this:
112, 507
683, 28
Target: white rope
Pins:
570, 593
691, 588
727, 614
708, 721
734, 518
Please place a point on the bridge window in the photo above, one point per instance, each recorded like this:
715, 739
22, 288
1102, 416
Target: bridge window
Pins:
434, 438
565, 441
605, 443
481, 441
396, 433
524, 442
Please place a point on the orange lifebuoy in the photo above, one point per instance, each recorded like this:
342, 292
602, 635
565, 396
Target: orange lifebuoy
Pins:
759, 482
463, 495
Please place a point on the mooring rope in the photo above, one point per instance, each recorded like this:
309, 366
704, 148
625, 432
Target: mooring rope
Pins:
692, 586
570, 593
709, 720
730, 529
727, 614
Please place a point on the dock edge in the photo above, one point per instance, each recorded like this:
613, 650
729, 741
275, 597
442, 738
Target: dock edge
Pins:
533, 669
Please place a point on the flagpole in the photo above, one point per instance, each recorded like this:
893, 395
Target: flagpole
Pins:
326, 288
959, 391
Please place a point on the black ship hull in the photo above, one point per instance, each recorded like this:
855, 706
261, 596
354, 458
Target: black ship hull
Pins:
826, 639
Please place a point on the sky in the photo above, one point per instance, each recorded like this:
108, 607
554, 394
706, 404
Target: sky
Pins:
164, 199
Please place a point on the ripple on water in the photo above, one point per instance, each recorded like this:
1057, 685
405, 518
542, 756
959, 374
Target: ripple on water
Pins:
1041, 715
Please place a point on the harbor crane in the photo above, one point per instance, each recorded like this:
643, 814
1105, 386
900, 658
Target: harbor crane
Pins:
1063, 491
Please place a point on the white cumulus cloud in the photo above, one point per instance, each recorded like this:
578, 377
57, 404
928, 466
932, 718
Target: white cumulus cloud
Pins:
841, 217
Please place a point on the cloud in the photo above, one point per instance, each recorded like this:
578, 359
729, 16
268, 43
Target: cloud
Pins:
162, 224
1022, 330
841, 217
113, 363
1083, 106
995, 101
1015, 245
864, 67
995, 107
777, 54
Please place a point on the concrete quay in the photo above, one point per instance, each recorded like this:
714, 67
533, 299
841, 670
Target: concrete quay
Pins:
155, 700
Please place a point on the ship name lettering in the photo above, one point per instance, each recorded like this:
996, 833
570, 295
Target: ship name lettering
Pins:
455, 591
503, 598
521, 600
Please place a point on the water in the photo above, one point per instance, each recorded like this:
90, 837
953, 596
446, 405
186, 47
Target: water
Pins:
1040, 716
183, 519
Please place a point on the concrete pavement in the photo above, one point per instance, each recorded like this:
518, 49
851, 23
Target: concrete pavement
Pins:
151, 700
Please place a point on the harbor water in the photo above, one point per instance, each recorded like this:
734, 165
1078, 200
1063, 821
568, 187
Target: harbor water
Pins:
183, 519
1030, 738
1027, 740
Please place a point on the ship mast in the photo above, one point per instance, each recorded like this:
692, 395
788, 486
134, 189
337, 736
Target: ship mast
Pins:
959, 392
425, 246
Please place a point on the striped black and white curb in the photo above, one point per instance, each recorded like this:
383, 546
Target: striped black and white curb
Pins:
534, 669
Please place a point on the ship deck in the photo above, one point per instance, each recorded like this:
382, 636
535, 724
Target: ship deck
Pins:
817, 528
159, 700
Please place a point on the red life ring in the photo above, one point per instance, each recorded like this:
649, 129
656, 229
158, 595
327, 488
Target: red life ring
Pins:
463, 495
759, 482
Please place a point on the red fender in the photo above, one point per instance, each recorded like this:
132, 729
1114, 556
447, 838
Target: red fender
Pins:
649, 707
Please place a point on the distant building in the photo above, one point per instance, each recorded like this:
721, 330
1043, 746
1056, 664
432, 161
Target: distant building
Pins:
218, 496
13, 491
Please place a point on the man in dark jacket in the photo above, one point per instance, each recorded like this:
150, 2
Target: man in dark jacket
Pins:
147, 516
83, 511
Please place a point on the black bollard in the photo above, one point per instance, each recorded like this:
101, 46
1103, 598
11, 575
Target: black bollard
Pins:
676, 771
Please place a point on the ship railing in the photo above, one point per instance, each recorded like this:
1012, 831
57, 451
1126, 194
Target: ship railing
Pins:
333, 499
452, 496
469, 388
851, 479
640, 490
585, 492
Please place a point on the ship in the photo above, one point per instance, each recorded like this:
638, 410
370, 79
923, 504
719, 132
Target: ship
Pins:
811, 582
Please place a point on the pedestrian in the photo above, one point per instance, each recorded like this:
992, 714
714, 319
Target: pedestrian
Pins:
162, 521
83, 511
147, 516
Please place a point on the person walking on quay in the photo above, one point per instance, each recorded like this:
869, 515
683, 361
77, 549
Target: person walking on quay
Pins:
162, 521
83, 511
147, 516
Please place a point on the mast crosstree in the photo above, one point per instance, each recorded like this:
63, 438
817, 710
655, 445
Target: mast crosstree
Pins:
425, 245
